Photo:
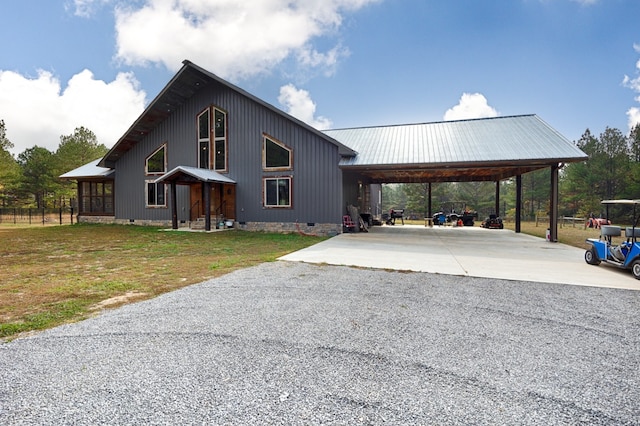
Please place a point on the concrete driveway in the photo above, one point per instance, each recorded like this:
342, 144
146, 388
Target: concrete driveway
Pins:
465, 251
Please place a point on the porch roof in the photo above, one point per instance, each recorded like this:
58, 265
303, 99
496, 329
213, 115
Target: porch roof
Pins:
89, 171
184, 175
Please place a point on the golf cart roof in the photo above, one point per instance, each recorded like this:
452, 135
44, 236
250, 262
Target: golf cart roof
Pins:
620, 201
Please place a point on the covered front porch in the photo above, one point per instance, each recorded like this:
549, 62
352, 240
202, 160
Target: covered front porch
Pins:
211, 195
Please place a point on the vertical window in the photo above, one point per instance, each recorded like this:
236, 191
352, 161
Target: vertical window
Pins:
212, 139
156, 194
277, 192
156, 164
276, 155
220, 141
203, 140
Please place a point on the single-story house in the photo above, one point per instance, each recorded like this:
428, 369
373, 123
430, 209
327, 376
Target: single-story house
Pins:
207, 152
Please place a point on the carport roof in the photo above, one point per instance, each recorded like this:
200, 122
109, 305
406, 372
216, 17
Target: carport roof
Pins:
466, 150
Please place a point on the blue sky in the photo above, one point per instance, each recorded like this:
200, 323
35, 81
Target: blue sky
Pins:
331, 63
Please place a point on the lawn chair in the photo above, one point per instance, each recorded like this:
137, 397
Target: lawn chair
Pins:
347, 224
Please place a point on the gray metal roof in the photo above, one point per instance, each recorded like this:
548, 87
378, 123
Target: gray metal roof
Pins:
186, 174
89, 170
479, 149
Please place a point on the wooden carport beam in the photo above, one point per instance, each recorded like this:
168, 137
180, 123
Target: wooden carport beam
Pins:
429, 213
497, 198
553, 213
518, 202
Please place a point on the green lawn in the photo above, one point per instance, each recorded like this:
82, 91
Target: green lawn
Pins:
53, 275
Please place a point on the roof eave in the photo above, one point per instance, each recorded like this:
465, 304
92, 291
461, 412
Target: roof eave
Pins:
470, 164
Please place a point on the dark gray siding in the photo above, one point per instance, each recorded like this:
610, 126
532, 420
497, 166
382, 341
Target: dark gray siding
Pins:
316, 183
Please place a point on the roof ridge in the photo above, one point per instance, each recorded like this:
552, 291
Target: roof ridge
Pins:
431, 122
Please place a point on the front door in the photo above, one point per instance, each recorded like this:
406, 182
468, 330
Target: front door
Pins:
223, 201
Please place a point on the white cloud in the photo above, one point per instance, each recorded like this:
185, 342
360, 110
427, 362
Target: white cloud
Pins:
585, 2
471, 105
298, 103
36, 111
633, 113
234, 39
634, 116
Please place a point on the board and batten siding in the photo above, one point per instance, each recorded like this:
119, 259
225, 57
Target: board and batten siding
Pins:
316, 177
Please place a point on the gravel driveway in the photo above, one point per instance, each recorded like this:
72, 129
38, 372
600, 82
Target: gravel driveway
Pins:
292, 343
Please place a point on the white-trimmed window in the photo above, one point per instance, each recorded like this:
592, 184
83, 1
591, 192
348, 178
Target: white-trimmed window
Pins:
277, 192
156, 164
219, 140
276, 155
156, 194
212, 139
204, 139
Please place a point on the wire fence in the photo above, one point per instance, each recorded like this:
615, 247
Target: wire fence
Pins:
31, 216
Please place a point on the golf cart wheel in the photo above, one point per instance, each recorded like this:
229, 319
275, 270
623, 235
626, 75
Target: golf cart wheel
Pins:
591, 258
635, 269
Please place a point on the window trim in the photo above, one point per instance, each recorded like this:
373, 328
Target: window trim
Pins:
268, 138
146, 161
265, 179
146, 194
206, 140
214, 140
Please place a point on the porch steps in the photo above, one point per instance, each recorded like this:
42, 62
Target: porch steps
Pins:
198, 224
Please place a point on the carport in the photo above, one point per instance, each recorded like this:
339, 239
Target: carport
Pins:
490, 149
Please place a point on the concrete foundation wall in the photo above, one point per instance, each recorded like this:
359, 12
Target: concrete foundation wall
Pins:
319, 229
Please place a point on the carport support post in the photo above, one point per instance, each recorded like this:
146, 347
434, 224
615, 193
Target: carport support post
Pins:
553, 214
207, 206
497, 198
429, 214
518, 202
174, 206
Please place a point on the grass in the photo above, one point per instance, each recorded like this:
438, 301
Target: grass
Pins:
53, 275
567, 234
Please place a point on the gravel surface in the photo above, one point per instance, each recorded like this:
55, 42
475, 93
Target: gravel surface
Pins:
292, 343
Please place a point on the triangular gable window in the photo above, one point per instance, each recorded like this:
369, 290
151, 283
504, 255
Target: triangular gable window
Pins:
276, 155
156, 163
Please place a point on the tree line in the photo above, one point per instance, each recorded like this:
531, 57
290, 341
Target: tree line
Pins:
32, 178
612, 171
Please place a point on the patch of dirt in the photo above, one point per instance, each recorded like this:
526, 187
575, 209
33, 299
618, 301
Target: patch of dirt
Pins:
118, 300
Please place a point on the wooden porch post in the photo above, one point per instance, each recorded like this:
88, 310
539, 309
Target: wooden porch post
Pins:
553, 214
207, 206
174, 206
518, 202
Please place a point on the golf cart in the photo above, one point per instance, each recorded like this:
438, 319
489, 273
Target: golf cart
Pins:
626, 255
